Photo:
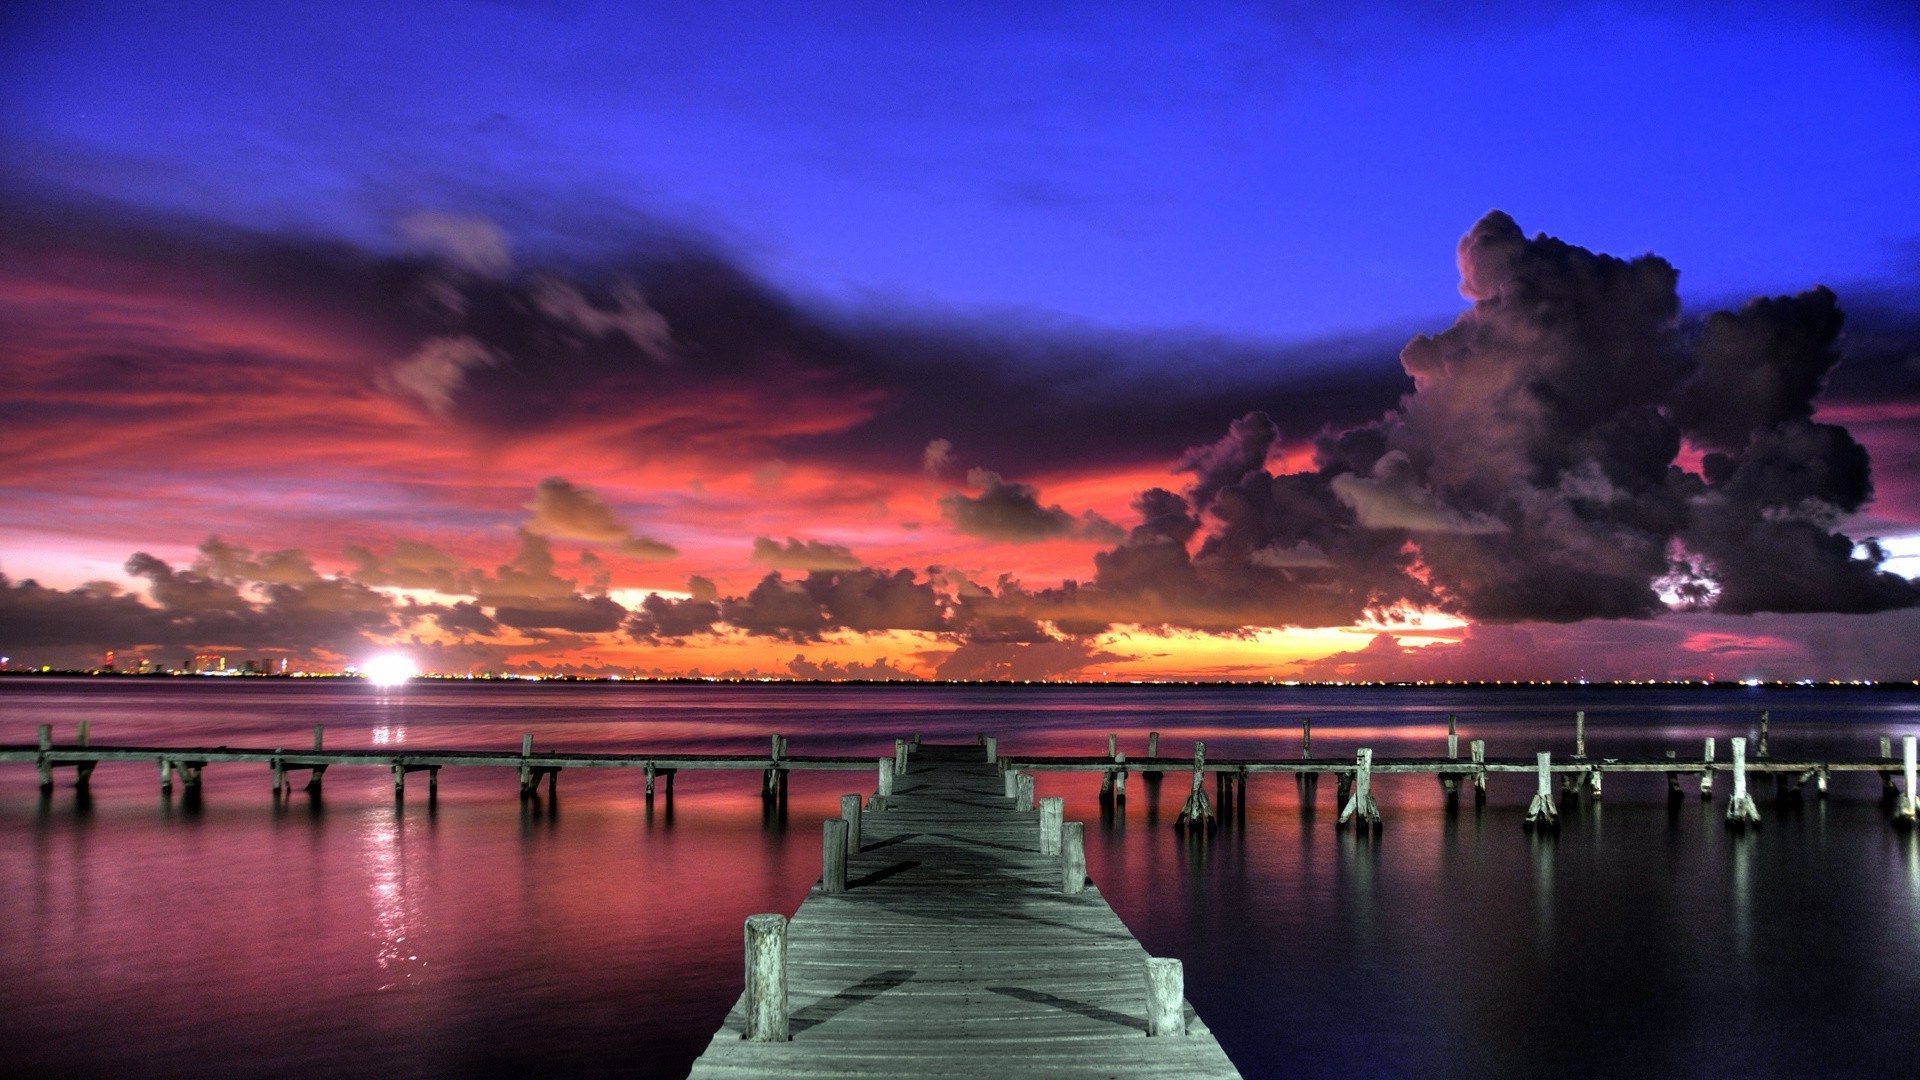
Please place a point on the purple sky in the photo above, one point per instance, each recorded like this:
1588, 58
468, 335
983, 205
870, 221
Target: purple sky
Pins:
733, 272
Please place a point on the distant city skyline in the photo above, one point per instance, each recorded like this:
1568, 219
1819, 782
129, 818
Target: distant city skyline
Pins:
1240, 342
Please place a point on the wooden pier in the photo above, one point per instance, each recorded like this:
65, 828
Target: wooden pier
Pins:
533, 767
1353, 798
944, 940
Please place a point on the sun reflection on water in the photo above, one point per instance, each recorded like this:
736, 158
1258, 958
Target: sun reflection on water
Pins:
396, 906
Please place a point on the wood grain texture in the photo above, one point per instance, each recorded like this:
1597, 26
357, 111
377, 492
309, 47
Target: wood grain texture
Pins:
954, 953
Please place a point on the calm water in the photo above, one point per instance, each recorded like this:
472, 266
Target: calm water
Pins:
476, 937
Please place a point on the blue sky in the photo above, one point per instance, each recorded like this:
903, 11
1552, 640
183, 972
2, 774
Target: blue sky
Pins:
1263, 170
970, 340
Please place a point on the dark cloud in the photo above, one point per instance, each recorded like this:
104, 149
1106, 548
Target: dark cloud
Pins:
1010, 512
881, 670
860, 601
803, 555
1694, 646
1023, 661
660, 618
1533, 472
567, 511
668, 346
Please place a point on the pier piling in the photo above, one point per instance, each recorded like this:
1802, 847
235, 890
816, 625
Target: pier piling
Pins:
766, 996
1073, 858
1361, 805
1706, 774
850, 813
1542, 815
1197, 813
1166, 997
1740, 809
1478, 748
1909, 806
1052, 813
833, 855
1023, 791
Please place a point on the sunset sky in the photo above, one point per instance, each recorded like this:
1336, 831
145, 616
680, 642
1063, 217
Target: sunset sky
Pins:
981, 340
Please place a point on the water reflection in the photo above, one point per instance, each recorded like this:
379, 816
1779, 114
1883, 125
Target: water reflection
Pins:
1543, 846
394, 900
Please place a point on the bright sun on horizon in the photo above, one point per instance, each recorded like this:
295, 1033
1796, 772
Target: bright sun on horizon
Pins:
389, 669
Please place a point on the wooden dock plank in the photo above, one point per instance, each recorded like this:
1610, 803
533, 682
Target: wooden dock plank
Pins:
955, 952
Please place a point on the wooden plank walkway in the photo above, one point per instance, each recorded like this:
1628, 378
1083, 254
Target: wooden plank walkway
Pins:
954, 952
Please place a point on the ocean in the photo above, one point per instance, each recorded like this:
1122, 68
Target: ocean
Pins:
590, 935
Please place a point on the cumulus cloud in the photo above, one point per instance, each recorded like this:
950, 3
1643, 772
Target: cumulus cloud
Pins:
468, 241
569, 512
1010, 512
1393, 498
622, 311
882, 670
803, 555
662, 618
1533, 474
433, 373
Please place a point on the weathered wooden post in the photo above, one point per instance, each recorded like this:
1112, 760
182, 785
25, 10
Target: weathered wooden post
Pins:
1053, 811
1765, 715
1478, 748
900, 757
433, 782
850, 813
279, 773
528, 781
1073, 858
1362, 805
648, 769
1706, 775
1010, 782
1120, 778
1153, 744
885, 789
1820, 780
833, 855
993, 749
45, 763
399, 781
1306, 738
1580, 734
1593, 781
1166, 997
1197, 813
1740, 809
766, 998
1889, 793
83, 770
1541, 813
1673, 778
1023, 791
1113, 745
166, 776
1453, 740
1909, 812
313, 774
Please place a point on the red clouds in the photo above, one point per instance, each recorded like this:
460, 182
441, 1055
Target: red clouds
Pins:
626, 446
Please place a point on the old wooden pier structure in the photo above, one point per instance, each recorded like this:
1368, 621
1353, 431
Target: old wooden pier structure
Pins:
953, 932
1578, 773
